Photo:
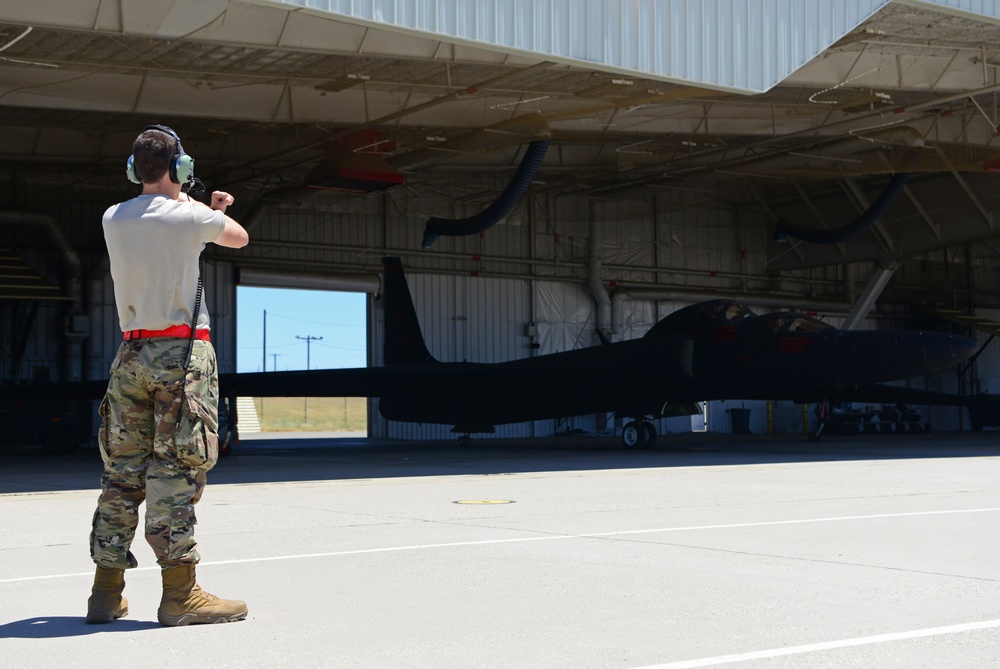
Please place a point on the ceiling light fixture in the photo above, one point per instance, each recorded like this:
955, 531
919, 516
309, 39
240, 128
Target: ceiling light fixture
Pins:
859, 36
342, 83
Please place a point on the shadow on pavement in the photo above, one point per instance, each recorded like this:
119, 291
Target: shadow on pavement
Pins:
54, 627
283, 458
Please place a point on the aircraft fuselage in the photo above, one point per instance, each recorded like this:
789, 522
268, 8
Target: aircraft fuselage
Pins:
644, 377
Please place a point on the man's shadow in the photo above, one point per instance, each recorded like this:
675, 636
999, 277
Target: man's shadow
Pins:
52, 627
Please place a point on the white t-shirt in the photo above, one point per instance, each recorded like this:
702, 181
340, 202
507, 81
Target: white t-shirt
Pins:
154, 243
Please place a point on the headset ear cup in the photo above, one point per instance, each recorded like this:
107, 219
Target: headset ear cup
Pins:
130, 172
182, 169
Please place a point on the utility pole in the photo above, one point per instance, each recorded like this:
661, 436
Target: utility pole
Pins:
263, 367
309, 339
274, 368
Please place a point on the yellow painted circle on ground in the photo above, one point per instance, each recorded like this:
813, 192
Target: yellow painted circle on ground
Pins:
484, 501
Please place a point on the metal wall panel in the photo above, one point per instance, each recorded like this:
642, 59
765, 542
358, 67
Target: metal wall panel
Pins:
740, 45
105, 334
976, 8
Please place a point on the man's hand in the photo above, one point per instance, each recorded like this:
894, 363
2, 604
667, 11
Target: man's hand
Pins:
221, 200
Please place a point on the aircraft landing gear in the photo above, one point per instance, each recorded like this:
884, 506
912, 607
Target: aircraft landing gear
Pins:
639, 434
464, 440
650, 434
632, 434
823, 415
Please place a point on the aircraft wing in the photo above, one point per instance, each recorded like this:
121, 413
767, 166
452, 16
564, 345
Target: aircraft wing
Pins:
28, 392
886, 394
444, 380
983, 409
437, 380
575, 382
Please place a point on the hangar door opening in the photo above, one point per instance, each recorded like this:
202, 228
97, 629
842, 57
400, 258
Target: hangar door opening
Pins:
289, 329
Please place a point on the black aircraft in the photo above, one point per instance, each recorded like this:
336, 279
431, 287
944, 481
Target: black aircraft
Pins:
711, 350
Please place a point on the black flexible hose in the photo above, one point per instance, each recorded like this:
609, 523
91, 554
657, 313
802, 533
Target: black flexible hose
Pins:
785, 229
511, 195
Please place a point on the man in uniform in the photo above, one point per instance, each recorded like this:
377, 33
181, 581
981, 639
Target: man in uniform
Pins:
159, 418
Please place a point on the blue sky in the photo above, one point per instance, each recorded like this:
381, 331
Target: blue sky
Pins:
339, 318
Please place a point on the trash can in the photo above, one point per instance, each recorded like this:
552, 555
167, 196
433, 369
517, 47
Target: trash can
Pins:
740, 421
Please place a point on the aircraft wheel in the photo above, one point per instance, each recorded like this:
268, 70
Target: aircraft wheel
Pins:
650, 430
464, 440
634, 435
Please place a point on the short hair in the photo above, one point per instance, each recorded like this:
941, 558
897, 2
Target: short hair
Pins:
152, 153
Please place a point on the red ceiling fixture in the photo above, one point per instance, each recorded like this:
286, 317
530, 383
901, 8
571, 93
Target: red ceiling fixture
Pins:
354, 164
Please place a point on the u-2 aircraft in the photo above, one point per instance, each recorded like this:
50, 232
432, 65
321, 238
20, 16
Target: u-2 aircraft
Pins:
718, 349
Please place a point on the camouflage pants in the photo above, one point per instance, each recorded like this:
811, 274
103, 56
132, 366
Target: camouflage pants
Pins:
158, 438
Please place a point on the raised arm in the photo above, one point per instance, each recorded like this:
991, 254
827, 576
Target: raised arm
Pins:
233, 235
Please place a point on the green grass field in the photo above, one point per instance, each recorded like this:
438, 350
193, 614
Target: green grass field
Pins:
312, 414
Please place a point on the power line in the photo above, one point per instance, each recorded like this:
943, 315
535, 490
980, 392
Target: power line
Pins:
308, 339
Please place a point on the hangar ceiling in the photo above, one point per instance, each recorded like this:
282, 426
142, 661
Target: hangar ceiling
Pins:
262, 94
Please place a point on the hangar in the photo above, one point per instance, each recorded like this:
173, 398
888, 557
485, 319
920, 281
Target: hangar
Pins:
680, 135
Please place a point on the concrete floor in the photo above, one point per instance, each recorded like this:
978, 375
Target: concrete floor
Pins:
708, 551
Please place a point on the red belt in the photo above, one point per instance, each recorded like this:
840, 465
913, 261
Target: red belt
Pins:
177, 331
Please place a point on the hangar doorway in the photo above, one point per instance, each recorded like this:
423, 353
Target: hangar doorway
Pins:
289, 329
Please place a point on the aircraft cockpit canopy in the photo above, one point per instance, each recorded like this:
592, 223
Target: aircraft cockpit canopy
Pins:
703, 314
791, 321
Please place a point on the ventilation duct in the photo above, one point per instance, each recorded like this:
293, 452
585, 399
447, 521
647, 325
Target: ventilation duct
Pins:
785, 229
502, 206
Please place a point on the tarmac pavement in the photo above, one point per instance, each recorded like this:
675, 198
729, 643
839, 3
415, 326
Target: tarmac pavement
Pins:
711, 550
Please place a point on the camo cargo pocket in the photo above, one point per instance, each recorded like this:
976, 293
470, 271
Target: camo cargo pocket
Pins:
196, 440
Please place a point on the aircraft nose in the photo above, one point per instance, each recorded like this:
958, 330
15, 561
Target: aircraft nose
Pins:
943, 350
876, 357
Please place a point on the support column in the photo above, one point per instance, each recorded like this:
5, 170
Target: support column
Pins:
601, 297
869, 296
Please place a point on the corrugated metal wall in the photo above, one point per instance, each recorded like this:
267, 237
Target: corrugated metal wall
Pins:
742, 45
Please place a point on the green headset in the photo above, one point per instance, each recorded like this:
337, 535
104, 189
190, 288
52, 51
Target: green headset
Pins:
181, 168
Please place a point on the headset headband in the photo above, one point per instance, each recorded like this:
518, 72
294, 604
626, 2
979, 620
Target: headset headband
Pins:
167, 130
181, 167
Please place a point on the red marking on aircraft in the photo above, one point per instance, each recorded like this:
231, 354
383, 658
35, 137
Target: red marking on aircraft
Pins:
793, 345
724, 333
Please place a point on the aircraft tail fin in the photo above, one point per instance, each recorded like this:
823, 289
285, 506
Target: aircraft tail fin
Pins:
404, 343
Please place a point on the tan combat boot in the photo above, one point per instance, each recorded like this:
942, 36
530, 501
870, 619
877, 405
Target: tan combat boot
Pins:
106, 603
185, 603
